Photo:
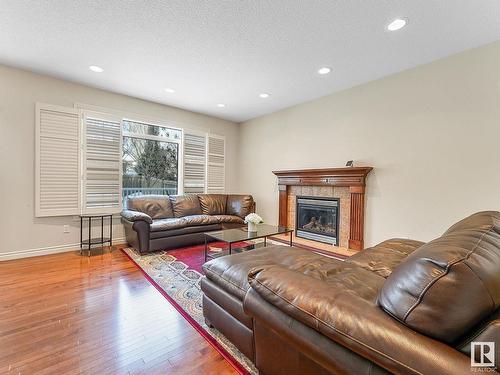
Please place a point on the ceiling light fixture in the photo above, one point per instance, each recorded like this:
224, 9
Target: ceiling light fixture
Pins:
324, 70
264, 95
397, 24
96, 69
170, 91
220, 105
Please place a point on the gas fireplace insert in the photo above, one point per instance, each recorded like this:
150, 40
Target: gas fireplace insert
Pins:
317, 219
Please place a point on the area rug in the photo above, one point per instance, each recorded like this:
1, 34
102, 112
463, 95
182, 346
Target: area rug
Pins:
177, 275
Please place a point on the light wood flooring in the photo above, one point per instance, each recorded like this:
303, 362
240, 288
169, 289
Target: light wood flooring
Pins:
70, 314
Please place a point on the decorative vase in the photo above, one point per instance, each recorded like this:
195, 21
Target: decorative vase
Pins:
252, 227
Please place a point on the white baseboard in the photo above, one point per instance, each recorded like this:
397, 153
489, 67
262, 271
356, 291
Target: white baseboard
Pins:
18, 254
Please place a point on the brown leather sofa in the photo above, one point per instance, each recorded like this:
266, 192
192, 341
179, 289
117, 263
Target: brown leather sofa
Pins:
160, 222
403, 306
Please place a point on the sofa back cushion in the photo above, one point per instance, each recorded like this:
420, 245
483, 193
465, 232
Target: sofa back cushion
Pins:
213, 204
481, 220
448, 285
184, 205
239, 205
156, 206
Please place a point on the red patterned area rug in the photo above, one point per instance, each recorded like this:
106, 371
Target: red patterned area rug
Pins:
177, 275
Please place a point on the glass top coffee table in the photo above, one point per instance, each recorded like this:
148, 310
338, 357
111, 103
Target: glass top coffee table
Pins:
236, 239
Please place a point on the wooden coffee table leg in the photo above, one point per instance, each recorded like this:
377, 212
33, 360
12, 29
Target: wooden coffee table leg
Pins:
291, 239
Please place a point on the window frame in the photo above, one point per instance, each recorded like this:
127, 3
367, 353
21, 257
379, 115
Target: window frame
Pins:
179, 142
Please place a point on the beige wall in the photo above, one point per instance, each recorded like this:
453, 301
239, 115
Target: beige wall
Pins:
20, 232
431, 133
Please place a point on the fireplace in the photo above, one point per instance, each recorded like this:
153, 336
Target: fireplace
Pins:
317, 219
347, 184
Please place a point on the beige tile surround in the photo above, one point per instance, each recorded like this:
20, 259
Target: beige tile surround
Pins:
328, 192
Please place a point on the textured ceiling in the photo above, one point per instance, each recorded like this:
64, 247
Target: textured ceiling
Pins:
230, 51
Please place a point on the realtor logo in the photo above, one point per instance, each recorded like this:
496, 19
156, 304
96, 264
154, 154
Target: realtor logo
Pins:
482, 354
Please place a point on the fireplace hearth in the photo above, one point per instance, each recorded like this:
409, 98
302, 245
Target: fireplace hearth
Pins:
317, 218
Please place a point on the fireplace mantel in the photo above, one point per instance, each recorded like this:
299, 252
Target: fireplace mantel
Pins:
352, 177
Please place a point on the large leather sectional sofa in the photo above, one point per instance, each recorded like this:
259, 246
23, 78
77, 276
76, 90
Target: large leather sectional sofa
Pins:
403, 306
160, 222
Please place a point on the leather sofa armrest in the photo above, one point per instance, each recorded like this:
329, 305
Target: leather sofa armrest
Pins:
355, 323
136, 216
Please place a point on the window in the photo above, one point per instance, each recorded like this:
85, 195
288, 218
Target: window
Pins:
150, 159
88, 160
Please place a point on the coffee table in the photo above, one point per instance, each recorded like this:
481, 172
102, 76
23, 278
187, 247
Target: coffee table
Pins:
236, 235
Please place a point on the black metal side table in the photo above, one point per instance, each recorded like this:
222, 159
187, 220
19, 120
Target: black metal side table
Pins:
96, 240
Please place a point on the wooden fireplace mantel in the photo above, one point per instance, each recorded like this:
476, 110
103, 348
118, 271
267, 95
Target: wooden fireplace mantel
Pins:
352, 177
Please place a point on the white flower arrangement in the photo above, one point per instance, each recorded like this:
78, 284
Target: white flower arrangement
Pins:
253, 218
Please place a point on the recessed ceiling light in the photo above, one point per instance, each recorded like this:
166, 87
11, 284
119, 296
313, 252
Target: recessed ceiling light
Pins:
170, 91
264, 95
220, 105
397, 24
96, 69
324, 70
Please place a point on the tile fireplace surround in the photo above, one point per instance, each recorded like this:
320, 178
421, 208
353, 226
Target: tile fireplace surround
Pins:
347, 184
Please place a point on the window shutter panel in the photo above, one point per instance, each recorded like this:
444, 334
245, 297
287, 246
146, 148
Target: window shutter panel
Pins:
102, 165
57, 161
194, 163
216, 164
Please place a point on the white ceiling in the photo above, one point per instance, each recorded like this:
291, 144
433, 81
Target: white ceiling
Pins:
230, 51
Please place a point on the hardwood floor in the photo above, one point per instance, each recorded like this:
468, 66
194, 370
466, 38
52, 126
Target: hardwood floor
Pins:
70, 314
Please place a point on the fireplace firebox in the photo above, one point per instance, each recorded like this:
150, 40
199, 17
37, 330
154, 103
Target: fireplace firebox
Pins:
317, 219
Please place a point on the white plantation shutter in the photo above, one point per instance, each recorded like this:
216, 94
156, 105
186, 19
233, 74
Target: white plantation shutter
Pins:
102, 164
216, 164
57, 161
194, 162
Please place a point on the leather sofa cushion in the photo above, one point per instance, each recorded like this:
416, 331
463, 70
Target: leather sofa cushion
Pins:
168, 224
184, 231
213, 204
239, 205
231, 273
384, 257
185, 205
156, 206
229, 219
450, 284
481, 220
200, 220
347, 318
